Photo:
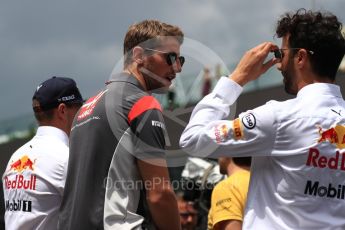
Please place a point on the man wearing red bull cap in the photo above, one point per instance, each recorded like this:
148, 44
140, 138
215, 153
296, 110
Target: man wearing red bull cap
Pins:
298, 165
34, 179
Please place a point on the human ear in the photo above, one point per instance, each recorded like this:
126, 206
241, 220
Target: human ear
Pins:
138, 53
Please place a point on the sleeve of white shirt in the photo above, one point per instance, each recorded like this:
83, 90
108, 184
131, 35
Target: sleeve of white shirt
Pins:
209, 134
64, 176
57, 167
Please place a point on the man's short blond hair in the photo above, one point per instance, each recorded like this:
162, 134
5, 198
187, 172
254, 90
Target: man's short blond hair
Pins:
141, 32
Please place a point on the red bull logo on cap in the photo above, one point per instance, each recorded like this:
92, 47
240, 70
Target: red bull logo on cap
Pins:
334, 135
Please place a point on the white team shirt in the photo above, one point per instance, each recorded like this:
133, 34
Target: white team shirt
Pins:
34, 181
298, 167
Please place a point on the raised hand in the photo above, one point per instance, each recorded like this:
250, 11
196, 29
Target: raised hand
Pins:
252, 65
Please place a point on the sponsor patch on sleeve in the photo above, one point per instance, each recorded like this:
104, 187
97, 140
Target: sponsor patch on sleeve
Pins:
221, 133
142, 105
237, 127
158, 124
249, 121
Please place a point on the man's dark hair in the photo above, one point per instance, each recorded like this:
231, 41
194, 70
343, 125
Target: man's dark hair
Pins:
143, 31
242, 161
48, 115
44, 115
318, 32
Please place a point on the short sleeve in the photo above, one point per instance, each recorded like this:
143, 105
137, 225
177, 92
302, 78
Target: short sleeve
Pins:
226, 204
149, 130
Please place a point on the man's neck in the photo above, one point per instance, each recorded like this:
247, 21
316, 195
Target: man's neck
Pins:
308, 78
133, 70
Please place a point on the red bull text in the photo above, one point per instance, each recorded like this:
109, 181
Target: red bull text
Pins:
19, 181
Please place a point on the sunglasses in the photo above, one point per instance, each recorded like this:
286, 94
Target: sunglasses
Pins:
171, 57
278, 53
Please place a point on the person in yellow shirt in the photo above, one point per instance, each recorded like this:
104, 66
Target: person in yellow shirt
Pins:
229, 196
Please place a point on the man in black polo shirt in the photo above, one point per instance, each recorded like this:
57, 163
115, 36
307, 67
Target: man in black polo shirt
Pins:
117, 176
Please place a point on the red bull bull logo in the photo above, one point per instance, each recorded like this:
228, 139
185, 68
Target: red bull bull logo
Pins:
23, 163
221, 133
19, 181
334, 135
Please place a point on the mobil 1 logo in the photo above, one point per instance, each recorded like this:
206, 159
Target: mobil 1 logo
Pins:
18, 205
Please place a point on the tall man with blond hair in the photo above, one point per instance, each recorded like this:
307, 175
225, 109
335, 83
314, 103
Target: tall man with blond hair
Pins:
118, 176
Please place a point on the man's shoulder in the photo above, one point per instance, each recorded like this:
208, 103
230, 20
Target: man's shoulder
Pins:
125, 92
276, 105
277, 109
142, 105
23, 148
32, 152
126, 85
268, 112
224, 184
235, 181
44, 147
240, 178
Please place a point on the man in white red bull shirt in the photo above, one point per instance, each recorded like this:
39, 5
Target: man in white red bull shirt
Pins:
34, 179
298, 166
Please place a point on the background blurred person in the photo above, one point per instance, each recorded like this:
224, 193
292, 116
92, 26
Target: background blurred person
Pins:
207, 82
230, 195
188, 213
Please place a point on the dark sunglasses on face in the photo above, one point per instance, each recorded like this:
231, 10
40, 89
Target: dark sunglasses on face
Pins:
278, 53
171, 57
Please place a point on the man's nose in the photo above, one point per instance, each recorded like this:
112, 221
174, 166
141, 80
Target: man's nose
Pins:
177, 67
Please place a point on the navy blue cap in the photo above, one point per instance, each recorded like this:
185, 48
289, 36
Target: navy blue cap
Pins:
54, 91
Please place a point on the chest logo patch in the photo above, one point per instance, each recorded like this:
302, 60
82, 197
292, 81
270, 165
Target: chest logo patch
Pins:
23, 163
334, 135
87, 109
